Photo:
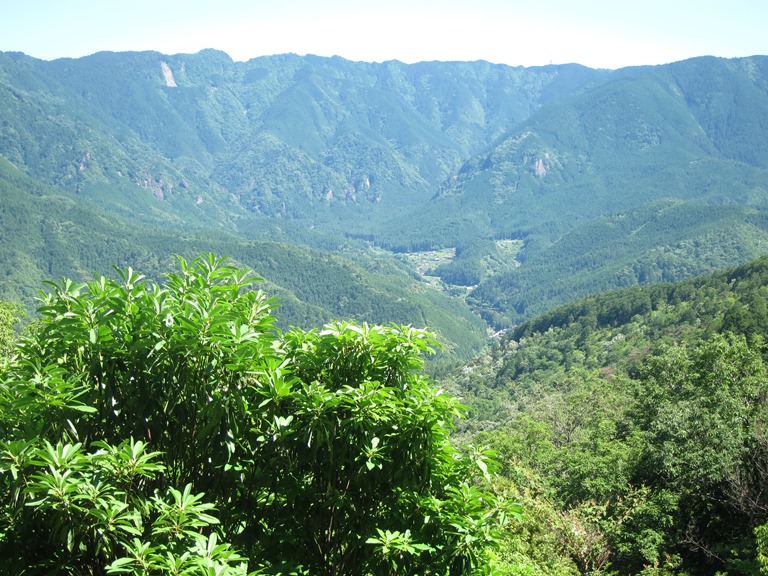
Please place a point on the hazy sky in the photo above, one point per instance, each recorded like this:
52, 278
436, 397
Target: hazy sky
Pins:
596, 33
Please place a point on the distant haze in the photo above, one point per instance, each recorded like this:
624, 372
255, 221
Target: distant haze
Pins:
596, 33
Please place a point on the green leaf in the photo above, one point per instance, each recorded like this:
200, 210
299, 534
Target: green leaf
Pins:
121, 566
83, 408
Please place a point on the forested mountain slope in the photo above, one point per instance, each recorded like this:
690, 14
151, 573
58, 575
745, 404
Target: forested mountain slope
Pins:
285, 135
540, 185
48, 235
633, 423
655, 175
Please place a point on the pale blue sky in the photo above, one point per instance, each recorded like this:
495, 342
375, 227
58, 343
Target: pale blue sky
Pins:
596, 33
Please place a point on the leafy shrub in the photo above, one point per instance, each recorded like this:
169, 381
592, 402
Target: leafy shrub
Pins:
322, 452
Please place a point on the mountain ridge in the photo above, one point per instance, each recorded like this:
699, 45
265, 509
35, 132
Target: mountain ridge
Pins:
456, 156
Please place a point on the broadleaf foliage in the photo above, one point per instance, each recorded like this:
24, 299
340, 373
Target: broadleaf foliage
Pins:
169, 428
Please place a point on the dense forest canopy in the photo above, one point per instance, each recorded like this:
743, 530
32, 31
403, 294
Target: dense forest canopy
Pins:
636, 418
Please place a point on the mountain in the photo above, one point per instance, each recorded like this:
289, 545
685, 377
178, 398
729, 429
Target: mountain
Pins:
48, 235
514, 189
654, 175
289, 136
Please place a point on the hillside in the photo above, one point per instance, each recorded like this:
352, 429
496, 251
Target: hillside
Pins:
636, 418
657, 174
535, 185
48, 235
296, 137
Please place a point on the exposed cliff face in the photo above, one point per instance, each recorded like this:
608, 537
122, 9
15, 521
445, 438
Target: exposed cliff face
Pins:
170, 81
158, 185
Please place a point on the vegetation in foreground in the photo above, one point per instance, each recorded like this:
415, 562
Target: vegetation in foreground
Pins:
172, 429
152, 429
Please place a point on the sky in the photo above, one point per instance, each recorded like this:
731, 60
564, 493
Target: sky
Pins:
595, 33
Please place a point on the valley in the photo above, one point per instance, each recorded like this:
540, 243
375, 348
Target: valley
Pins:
584, 172
525, 307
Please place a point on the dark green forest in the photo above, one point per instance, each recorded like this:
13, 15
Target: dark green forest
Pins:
632, 424
47, 236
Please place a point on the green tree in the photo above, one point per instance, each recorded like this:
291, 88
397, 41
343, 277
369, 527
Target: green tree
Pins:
10, 314
703, 410
323, 452
68, 510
